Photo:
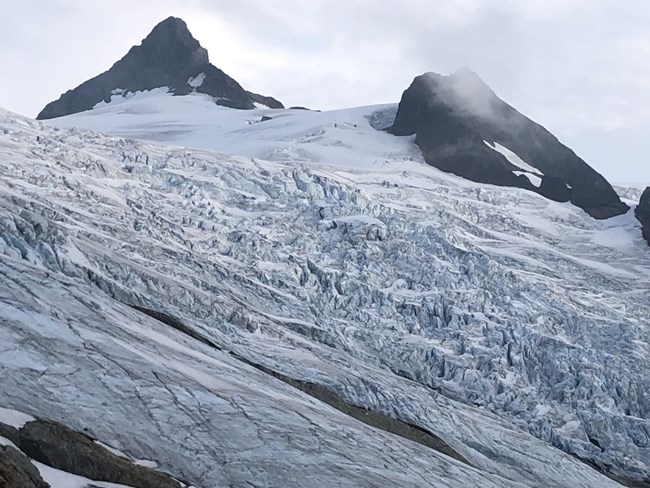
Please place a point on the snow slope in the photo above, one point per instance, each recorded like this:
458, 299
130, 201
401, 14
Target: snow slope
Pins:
337, 138
482, 314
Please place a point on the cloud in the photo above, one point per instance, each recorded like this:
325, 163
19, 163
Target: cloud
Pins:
556, 60
576, 66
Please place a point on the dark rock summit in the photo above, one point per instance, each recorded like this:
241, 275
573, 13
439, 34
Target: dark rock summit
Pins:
642, 213
462, 127
168, 57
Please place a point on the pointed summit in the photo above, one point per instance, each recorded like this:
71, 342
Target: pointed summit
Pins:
464, 128
171, 42
168, 57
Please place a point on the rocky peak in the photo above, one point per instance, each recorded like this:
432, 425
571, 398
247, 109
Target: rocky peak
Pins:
642, 212
464, 87
168, 57
464, 128
171, 42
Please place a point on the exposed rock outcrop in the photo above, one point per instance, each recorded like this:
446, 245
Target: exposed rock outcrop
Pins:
168, 57
62, 448
263, 100
642, 213
462, 127
17, 471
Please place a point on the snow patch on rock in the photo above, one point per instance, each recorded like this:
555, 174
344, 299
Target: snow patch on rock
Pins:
513, 158
196, 81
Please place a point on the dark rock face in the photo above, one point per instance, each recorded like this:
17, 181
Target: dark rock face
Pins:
17, 471
268, 101
455, 118
62, 448
642, 213
169, 56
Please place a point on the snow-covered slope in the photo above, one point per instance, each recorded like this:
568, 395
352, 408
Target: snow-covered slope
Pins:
481, 314
337, 138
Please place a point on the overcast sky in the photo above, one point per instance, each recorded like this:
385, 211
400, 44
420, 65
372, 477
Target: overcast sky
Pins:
579, 67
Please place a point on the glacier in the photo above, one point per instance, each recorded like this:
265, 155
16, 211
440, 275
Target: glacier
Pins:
513, 327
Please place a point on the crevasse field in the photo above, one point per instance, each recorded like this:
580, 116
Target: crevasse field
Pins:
328, 251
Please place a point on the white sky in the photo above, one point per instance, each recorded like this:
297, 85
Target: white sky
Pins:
579, 67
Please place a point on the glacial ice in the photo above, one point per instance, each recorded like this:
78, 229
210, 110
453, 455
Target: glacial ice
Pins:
500, 321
